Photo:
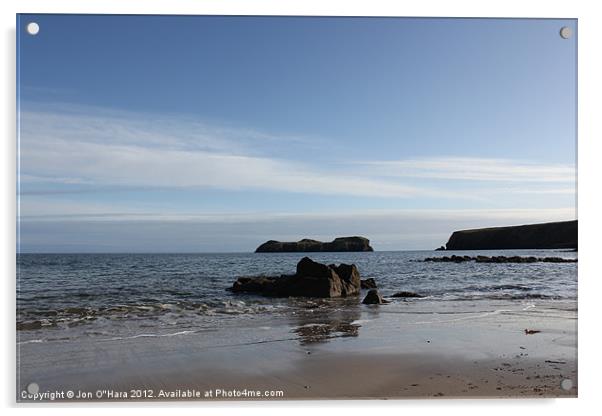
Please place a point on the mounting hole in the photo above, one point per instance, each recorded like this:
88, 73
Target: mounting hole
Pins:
566, 384
33, 28
33, 388
566, 32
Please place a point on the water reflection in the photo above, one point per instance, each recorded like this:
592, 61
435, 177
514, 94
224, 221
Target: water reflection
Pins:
319, 320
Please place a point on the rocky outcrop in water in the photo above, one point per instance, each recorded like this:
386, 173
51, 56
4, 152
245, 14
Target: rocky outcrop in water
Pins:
404, 294
499, 259
550, 235
306, 245
312, 279
374, 298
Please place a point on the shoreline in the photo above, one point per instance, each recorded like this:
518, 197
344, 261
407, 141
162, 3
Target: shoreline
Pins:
463, 349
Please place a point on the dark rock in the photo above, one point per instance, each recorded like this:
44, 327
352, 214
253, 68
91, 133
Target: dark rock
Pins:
557, 260
368, 283
442, 248
308, 267
374, 298
306, 245
404, 294
312, 279
453, 259
550, 235
350, 278
499, 259
315, 279
253, 284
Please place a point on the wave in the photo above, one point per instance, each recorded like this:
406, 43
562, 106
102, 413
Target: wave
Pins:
505, 296
174, 334
29, 320
485, 288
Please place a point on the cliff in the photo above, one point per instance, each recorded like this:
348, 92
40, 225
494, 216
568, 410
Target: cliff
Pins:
307, 245
535, 236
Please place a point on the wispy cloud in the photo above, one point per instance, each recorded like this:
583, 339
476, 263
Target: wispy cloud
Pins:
104, 126
67, 152
39, 208
473, 169
131, 165
105, 149
101, 149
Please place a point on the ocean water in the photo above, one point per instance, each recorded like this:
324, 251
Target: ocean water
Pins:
97, 297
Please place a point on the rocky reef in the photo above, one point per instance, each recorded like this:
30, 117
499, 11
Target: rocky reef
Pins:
499, 259
312, 279
552, 235
306, 245
317, 280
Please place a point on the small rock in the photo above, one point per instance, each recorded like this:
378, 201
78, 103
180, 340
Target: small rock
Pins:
404, 294
374, 298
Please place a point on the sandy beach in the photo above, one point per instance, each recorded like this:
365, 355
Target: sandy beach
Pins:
402, 350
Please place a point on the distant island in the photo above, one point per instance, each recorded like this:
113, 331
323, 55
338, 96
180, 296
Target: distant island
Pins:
551, 235
306, 245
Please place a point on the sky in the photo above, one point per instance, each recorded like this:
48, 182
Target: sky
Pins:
215, 134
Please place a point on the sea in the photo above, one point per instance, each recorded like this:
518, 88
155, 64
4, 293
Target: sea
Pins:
63, 298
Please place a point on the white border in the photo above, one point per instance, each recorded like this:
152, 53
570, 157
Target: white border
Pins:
590, 208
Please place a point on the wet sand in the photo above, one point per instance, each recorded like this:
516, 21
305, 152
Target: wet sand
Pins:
376, 352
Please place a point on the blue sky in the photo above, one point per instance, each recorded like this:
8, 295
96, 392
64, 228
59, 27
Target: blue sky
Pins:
191, 133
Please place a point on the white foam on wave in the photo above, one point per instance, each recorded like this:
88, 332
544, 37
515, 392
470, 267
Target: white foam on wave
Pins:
174, 334
312, 325
31, 341
478, 315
